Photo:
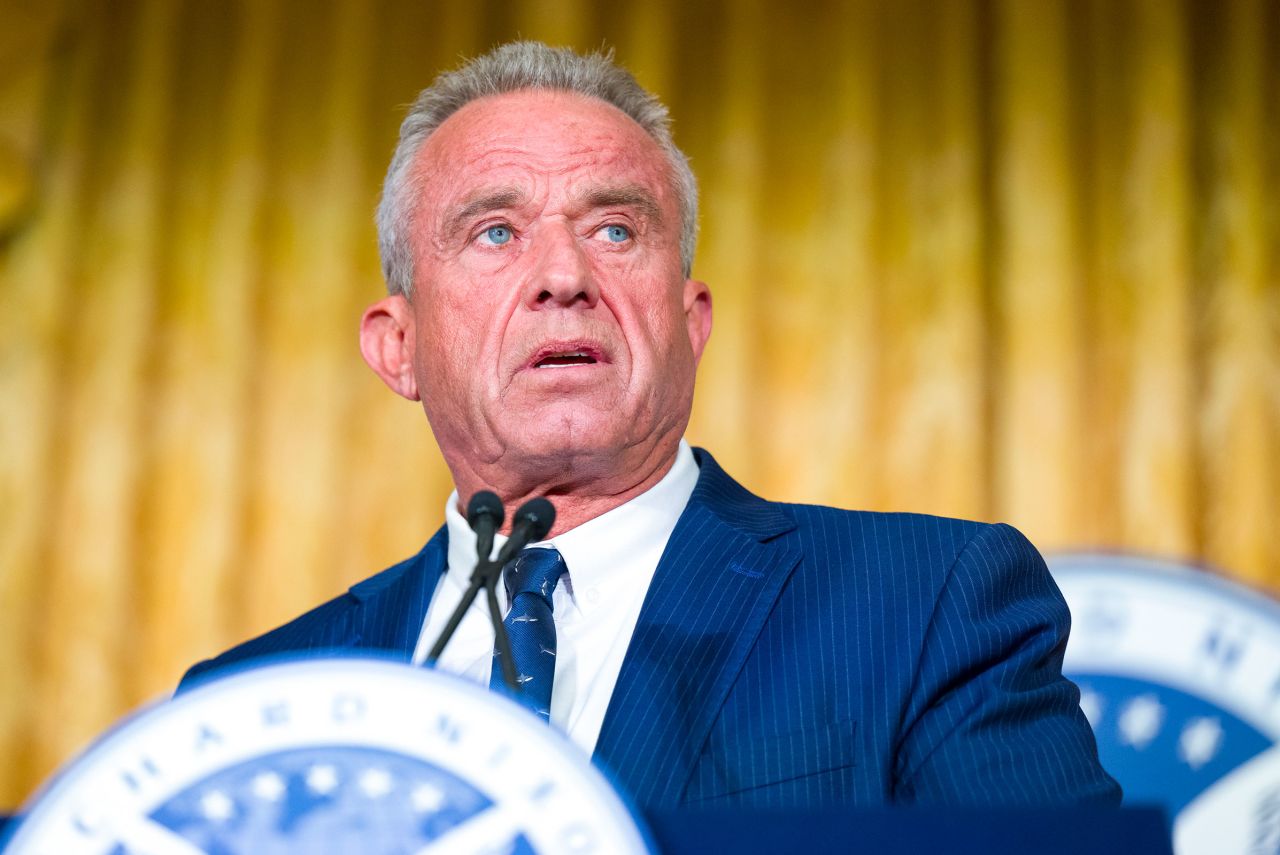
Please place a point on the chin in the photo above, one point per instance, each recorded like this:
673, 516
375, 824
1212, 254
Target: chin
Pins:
572, 437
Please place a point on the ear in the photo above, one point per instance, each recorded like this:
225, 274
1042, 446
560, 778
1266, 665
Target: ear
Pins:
386, 342
697, 315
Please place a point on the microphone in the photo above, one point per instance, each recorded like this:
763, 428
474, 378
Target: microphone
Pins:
485, 515
530, 524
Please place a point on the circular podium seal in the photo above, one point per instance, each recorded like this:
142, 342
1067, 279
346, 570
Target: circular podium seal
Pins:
330, 756
1179, 675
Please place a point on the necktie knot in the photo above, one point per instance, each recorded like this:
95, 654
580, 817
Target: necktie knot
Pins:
536, 571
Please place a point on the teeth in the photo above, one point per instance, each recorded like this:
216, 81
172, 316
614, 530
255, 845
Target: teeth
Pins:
566, 358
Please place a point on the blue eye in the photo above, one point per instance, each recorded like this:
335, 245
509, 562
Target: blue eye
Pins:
498, 235
617, 234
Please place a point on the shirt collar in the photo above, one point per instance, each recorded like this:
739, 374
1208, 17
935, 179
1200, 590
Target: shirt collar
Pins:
599, 551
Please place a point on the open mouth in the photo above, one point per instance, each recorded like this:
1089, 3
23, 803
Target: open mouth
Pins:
565, 357
559, 360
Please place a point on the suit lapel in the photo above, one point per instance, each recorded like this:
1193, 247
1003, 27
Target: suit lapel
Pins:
713, 589
392, 605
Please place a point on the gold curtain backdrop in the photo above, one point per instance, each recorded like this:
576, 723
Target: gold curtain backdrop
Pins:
1003, 260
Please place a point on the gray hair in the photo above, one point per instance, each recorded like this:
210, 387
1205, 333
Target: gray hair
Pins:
510, 68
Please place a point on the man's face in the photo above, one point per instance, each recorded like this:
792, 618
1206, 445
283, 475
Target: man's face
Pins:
551, 318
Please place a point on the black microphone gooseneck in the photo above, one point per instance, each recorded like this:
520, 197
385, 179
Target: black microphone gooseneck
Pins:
485, 514
529, 525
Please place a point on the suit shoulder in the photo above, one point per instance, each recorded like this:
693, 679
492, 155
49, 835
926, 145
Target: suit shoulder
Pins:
926, 543
823, 523
314, 632
884, 525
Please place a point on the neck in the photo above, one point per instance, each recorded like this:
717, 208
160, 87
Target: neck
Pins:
578, 489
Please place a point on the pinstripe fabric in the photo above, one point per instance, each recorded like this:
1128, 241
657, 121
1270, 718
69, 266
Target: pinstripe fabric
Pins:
792, 656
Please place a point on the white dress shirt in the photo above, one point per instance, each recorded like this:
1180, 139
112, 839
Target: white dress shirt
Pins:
611, 561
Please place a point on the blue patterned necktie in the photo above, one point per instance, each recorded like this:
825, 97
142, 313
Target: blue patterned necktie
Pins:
530, 579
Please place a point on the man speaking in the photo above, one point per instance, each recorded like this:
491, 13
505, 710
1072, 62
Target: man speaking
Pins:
537, 230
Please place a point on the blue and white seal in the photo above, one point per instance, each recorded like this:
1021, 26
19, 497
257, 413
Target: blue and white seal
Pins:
330, 756
1179, 674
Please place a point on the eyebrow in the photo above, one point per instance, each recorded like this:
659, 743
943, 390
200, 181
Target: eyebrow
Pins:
492, 200
628, 196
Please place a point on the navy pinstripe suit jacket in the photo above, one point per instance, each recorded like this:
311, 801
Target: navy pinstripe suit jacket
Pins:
792, 656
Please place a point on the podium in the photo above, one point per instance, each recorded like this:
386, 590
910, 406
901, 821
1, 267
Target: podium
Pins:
890, 831
899, 831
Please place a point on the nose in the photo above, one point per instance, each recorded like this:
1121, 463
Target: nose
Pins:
561, 276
